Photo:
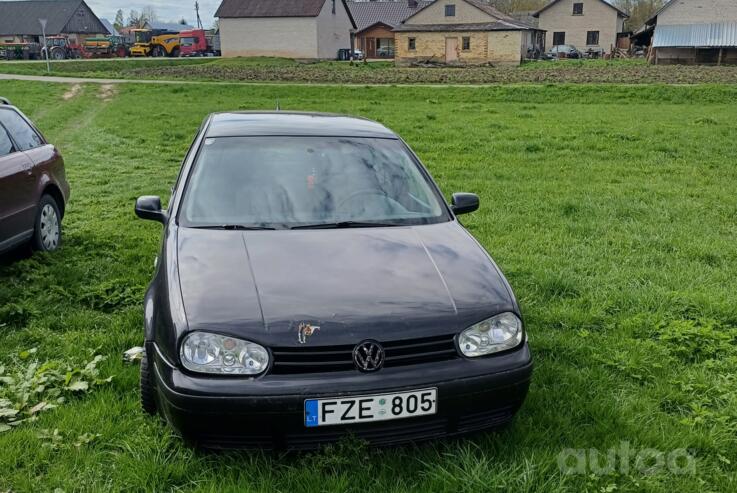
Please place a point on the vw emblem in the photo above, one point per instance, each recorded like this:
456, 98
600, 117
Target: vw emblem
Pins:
368, 356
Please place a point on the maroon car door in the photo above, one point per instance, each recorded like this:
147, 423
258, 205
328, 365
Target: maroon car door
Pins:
17, 183
24, 171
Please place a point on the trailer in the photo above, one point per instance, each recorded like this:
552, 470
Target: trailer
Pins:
20, 51
105, 47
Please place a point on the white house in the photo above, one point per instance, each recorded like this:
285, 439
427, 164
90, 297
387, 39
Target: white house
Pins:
585, 24
284, 28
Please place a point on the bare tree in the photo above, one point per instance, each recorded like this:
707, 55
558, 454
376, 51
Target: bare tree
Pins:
149, 14
638, 10
134, 19
512, 6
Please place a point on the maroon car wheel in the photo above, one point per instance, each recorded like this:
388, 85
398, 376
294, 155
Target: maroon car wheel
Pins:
47, 233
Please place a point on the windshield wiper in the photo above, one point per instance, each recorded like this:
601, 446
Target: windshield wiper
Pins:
344, 224
234, 227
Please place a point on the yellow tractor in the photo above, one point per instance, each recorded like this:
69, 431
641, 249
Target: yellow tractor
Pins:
147, 42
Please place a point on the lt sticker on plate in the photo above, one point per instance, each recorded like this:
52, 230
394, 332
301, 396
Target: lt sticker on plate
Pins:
367, 408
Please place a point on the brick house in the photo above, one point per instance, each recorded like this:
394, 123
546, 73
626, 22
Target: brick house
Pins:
464, 32
589, 25
313, 29
375, 21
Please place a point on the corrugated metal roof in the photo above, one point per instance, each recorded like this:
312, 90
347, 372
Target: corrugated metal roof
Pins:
389, 12
110, 28
723, 34
174, 27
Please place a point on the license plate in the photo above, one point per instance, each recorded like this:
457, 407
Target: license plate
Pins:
367, 408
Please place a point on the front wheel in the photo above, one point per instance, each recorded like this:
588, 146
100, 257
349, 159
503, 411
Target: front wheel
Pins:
158, 51
47, 232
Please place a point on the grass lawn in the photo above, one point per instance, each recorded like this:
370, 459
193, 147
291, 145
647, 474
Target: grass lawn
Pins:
611, 209
259, 69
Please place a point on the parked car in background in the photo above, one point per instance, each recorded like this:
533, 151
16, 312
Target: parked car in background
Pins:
594, 52
312, 283
563, 51
33, 186
358, 54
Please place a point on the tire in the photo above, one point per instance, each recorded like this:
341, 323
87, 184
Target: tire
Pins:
148, 396
175, 53
158, 51
47, 228
58, 54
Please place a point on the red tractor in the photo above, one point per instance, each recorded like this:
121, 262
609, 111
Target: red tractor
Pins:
198, 42
60, 48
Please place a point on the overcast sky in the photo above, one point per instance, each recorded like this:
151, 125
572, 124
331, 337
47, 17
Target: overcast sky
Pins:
166, 10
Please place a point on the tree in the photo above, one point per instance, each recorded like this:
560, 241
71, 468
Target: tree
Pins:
119, 21
639, 11
512, 6
149, 14
134, 19
183, 21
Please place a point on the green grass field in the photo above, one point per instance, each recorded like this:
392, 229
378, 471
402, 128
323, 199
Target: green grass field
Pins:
264, 69
611, 209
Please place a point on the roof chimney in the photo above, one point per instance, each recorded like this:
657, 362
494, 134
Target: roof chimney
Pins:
412, 4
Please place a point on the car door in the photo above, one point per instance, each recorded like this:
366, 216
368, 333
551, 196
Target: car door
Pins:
17, 209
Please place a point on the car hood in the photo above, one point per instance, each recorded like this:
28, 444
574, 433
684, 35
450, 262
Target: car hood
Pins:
382, 283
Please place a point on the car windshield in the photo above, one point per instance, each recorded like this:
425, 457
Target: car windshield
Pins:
285, 182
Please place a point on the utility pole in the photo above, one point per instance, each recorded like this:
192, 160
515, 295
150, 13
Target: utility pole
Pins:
197, 11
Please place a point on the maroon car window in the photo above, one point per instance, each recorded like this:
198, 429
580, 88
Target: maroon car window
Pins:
23, 135
6, 147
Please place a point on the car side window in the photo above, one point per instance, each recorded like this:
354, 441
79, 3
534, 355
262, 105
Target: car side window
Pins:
6, 146
24, 136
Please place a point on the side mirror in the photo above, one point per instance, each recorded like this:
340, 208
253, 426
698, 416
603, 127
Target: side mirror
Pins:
149, 207
463, 203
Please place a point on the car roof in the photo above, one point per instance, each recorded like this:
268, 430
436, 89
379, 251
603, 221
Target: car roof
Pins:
276, 123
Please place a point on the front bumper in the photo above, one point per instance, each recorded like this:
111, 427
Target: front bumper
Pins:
268, 412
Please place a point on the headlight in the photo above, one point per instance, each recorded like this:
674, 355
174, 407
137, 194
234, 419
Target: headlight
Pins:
213, 353
498, 333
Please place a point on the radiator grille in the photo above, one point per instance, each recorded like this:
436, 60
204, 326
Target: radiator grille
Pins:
295, 360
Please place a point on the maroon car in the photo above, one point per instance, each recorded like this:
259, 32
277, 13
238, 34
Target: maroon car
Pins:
33, 187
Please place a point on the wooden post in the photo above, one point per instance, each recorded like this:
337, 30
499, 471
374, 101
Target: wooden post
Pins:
719, 60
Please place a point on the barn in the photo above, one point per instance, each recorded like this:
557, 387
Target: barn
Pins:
19, 20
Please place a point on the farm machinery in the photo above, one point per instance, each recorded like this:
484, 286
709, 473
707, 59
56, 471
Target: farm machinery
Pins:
61, 48
20, 51
155, 43
58, 48
105, 47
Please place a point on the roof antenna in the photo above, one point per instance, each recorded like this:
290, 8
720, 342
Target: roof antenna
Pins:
278, 108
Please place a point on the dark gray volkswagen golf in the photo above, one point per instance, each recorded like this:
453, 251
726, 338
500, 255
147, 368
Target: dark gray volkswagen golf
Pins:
313, 283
